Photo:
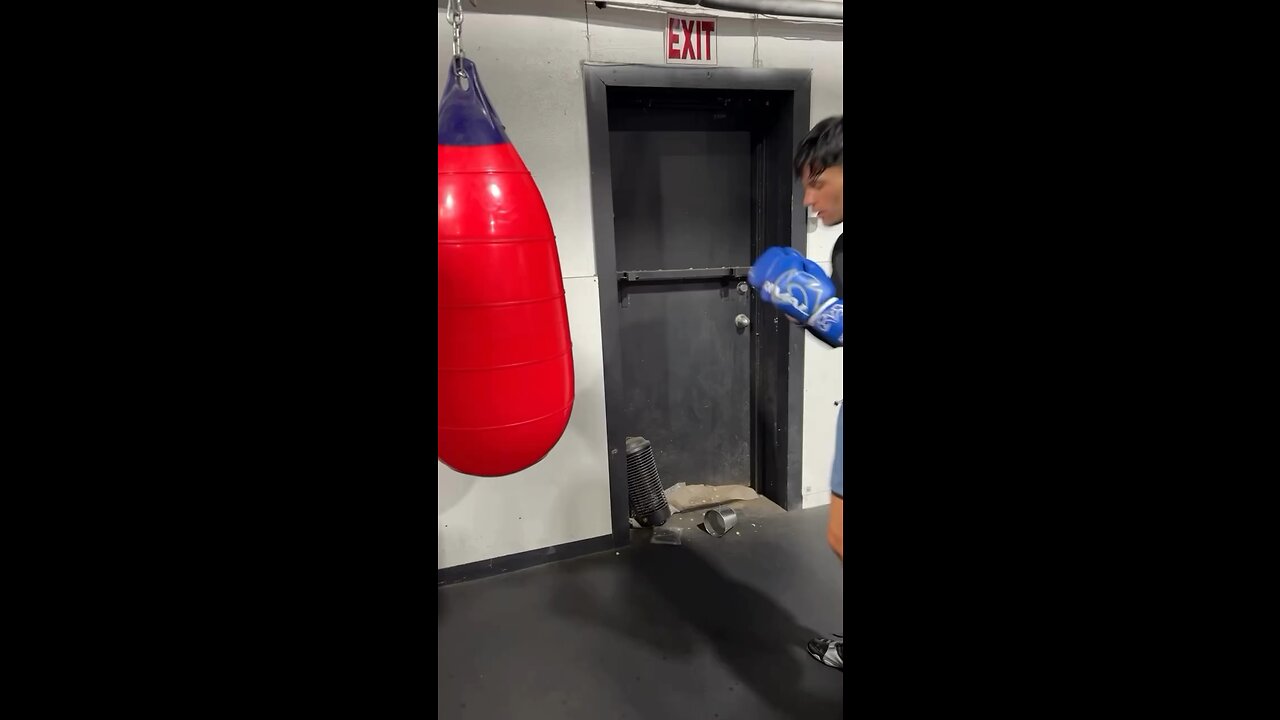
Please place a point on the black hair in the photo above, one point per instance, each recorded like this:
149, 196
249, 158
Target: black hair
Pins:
822, 148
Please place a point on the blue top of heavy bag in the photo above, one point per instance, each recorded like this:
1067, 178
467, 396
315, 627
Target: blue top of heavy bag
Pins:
466, 117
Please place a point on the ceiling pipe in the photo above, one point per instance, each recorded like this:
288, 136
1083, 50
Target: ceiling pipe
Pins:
794, 8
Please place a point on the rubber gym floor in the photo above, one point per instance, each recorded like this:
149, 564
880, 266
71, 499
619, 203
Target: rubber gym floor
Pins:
711, 628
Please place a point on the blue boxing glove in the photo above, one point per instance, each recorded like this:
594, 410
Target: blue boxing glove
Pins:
801, 290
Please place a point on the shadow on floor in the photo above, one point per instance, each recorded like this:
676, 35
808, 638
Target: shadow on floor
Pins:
676, 602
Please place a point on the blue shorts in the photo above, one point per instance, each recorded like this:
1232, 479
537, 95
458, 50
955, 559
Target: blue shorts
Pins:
837, 469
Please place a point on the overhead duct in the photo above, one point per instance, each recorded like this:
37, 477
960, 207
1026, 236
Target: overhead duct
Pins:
795, 8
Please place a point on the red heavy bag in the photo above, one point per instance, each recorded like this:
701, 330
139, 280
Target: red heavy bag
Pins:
505, 362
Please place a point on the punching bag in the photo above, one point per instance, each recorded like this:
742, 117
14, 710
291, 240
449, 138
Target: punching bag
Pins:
505, 377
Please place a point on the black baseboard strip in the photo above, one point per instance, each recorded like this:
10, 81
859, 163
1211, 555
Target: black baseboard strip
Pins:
520, 561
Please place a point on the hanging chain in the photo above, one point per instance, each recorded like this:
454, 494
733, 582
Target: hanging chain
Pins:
454, 11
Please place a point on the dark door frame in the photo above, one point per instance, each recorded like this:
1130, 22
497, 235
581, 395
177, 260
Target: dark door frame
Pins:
778, 354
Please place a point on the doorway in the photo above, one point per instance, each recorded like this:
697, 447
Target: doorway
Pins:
691, 180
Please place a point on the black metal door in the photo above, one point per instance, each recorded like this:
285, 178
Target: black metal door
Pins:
683, 208
624, 103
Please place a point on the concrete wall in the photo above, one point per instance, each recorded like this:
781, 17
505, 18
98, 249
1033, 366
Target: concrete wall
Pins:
529, 54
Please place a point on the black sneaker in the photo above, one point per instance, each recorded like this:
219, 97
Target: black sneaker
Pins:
827, 652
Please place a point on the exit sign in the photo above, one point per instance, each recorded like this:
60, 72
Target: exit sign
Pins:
691, 40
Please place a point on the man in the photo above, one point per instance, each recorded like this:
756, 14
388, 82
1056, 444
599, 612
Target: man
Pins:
801, 290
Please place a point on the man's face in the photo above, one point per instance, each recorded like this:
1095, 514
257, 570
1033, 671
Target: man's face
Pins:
825, 194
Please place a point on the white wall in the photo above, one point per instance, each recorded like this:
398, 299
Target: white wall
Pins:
529, 55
